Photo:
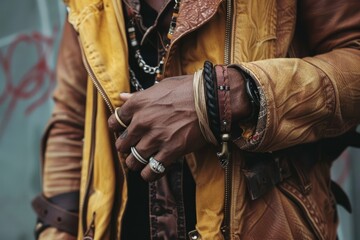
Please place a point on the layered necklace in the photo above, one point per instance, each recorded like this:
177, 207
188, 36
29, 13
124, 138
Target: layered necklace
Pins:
131, 30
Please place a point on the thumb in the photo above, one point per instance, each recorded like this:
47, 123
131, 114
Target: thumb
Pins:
125, 96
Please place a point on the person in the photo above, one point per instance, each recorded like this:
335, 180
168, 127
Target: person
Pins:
201, 119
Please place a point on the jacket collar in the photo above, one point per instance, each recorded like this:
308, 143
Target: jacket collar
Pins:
193, 14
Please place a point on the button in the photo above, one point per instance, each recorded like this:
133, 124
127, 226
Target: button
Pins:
157, 209
194, 235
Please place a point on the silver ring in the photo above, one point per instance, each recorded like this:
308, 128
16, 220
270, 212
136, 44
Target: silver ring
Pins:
138, 156
118, 118
156, 166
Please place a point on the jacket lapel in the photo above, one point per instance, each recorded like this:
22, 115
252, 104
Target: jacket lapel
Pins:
193, 14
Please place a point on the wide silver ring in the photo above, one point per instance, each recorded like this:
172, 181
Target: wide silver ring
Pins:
118, 118
138, 157
156, 166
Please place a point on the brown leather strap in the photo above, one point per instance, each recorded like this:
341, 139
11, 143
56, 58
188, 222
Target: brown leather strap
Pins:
50, 214
68, 201
223, 89
263, 171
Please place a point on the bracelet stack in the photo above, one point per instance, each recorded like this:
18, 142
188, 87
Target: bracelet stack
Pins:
211, 98
200, 107
213, 106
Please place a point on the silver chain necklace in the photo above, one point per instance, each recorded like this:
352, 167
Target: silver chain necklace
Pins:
133, 42
135, 82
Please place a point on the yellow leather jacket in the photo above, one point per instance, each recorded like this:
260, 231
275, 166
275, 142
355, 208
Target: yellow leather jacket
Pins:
304, 56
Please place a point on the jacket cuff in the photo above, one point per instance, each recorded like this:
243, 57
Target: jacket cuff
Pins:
252, 131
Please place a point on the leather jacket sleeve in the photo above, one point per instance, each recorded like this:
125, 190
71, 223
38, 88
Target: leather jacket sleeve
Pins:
316, 96
62, 142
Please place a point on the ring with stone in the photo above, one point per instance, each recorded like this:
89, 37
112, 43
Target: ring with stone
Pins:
156, 166
138, 157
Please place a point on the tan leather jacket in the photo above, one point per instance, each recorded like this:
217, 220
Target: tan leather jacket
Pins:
304, 56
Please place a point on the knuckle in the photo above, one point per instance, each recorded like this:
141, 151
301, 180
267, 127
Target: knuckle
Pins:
148, 151
130, 163
112, 121
146, 174
122, 148
125, 112
144, 177
120, 145
166, 153
124, 117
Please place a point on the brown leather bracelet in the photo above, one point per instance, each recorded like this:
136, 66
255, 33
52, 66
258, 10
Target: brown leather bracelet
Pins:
52, 215
223, 89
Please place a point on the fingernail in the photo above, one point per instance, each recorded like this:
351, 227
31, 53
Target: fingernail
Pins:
125, 95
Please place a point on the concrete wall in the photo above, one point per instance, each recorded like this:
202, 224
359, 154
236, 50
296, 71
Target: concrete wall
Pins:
29, 35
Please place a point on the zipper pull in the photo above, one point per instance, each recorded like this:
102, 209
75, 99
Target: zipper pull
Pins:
90, 233
225, 231
224, 155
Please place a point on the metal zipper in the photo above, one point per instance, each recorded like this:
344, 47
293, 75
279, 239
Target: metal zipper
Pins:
225, 228
228, 31
90, 233
97, 85
92, 144
91, 166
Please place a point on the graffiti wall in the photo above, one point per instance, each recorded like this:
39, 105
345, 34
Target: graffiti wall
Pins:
29, 35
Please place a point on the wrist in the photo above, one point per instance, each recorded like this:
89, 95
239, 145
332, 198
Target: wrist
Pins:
244, 102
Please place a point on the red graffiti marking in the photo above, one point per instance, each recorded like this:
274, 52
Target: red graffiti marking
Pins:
35, 85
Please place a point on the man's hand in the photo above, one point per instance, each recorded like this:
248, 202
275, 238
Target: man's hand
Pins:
162, 123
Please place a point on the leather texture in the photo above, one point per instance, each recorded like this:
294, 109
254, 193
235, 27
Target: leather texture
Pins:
62, 141
55, 212
322, 73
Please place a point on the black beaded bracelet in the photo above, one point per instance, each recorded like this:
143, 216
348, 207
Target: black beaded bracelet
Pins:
212, 107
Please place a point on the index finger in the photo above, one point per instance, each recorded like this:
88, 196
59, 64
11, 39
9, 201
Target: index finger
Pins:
116, 123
